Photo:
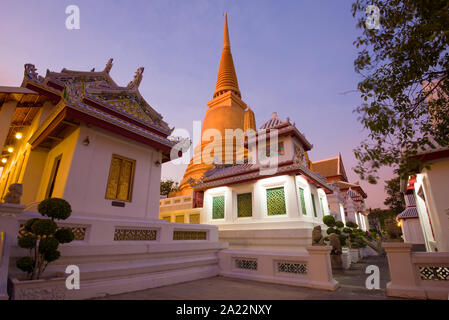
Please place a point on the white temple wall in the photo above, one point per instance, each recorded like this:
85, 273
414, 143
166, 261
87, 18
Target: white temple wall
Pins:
411, 230
65, 149
87, 182
434, 183
294, 218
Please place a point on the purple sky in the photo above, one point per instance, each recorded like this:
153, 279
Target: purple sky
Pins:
292, 57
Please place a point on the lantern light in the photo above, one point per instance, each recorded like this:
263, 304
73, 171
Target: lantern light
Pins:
19, 135
4, 160
10, 149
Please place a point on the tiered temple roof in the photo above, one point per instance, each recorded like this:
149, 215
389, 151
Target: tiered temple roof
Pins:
93, 97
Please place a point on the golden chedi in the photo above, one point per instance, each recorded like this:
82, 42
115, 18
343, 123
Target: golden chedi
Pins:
226, 111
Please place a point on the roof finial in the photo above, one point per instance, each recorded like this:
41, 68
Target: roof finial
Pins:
137, 78
108, 66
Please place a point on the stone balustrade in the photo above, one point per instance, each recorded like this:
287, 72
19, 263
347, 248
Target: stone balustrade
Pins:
306, 269
419, 275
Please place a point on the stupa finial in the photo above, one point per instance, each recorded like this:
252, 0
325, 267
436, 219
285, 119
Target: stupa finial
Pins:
227, 78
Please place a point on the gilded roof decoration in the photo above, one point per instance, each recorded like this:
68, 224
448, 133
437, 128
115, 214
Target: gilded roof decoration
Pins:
101, 89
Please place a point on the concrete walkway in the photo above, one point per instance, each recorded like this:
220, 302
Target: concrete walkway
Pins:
352, 283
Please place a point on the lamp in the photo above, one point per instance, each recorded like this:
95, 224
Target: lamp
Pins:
19, 135
10, 149
4, 160
86, 141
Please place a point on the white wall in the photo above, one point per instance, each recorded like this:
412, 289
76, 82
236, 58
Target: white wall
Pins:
434, 213
259, 204
87, 181
411, 230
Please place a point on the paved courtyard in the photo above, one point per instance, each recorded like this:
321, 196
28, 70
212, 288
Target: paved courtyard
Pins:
352, 287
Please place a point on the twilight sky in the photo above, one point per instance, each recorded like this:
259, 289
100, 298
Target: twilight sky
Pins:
293, 57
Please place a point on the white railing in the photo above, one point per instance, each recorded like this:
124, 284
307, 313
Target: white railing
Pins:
420, 275
311, 269
176, 201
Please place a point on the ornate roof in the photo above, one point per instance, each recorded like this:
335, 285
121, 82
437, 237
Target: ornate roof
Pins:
99, 88
226, 78
284, 128
93, 97
332, 167
410, 212
273, 122
226, 175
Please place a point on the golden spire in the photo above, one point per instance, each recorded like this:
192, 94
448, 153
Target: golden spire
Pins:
227, 78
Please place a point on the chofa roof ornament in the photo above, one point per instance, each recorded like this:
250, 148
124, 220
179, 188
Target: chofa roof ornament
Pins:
137, 78
108, 67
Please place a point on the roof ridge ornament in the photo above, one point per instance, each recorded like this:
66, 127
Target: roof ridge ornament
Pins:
108, 66
30, 72
137, 78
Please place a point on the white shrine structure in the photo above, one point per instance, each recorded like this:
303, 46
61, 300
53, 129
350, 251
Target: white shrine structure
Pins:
79, 136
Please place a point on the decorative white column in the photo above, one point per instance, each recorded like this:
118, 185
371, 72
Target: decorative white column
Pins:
319, 268
403, 278
9, 228
6, 115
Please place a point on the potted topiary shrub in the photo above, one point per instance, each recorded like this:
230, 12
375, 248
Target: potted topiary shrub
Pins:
339, 258
42, 237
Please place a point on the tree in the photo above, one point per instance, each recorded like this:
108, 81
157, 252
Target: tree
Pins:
43, 236
395, 199
378, 216
168, 186
404, 87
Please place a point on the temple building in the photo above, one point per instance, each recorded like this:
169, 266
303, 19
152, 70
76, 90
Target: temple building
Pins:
79, 136
409, 218
347, 203
237, 197
429, 188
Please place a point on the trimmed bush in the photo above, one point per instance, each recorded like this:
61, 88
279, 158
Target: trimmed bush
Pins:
27, 241
339, 224
43, 227
25, 264
64, 235
48, 245
52, 255
55, 208
48, 234
351, 224
329, 220
330, 230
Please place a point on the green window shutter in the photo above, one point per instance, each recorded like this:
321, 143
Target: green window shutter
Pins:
303, 201
276, 201
244, 205
218, 207
314, 206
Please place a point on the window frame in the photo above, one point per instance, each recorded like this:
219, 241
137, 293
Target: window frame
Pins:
224, 206
131, 183
53, 176
285, 201
237, 201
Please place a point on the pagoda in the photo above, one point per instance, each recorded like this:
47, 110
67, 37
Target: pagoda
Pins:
226, 110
